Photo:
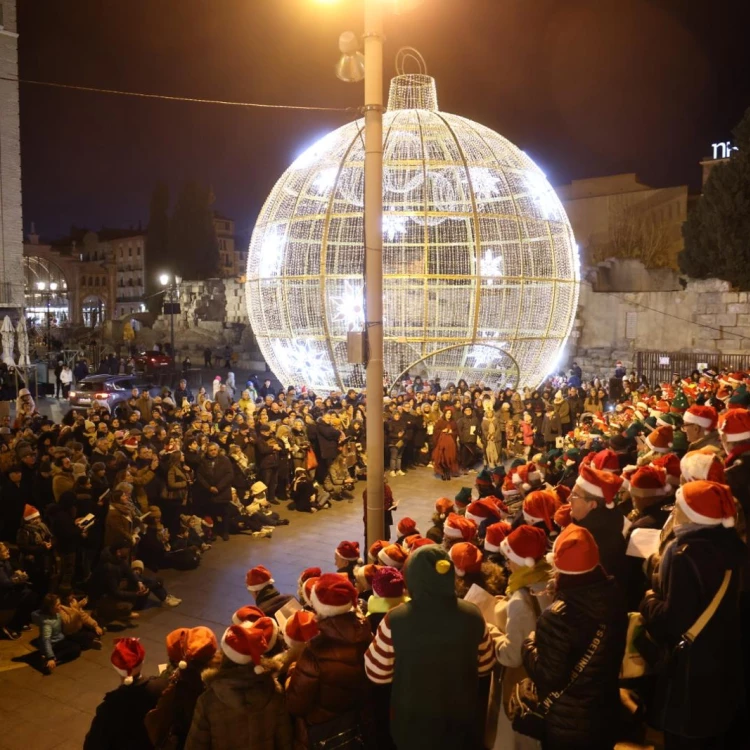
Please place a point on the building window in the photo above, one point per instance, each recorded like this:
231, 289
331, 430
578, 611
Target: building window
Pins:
137, 252
631, 325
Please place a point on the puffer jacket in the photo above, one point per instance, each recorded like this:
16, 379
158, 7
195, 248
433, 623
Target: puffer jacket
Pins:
239, 708
329, 678
586, 714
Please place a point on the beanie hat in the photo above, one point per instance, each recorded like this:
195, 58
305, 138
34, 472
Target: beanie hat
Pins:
188, 644
374, 551
301, 627
444, 506
509, 489
127, 657
333, 595
137, 565
307, 588
463, 496
606, 460
679, 403
495, 535
258, 487
30, 513
602, 484
392, 555
648, 481
244, 645
525, 545
702, 464
707, 503
459, 527
498, 474
249, 613
539, 507
484, 479
734, 425
258, 578
575, 551
388, 583
270, 629
406, 526
670, 462
703, 416
466, 557
660, 440
483, 510
308, 573
364, 575
562, 516
349, 551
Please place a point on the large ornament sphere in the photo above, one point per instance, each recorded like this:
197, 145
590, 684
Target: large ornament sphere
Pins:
480, 267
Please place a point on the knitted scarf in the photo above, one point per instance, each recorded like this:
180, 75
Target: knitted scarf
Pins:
525, 576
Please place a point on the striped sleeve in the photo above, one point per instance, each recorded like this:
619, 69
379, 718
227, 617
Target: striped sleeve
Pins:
486, 654
379, 657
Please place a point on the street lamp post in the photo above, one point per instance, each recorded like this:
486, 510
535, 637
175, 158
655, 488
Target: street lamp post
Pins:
170, 284
42, 287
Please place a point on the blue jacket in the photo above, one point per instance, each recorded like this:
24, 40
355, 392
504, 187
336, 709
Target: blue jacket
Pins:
50, 631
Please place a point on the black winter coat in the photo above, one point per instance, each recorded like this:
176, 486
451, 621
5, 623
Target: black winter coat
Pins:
606, 526
270, 600
703, 688
586, 714
328, 440
215, 473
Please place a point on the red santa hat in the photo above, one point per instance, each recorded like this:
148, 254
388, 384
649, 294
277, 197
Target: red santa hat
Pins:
365, 574
703, 416
374, 551
735, 378
349, 551
539, 507
648, 481
29, 513
249, 613
525, 546
333, 595
466, 557
482, 510
509, 489
660, 439
258, 578
308, 573
270, 629
575, 551
444, 506
734, 425
421, 543
563, 517
459, 527
392, 555
300, 628
407, 526
702, 464
495, 535
526, 475
670, 462
707, 503
563, 493
307, 588
499, 504
601, 484
185, 645
410, 541
388, 583
243, 645
606, 460
127, 658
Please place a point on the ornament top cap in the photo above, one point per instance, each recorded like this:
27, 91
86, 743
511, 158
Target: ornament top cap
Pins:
413, 91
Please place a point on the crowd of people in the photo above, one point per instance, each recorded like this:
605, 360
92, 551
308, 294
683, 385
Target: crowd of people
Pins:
590, 583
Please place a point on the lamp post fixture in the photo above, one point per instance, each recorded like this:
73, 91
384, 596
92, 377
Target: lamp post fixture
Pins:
354, 67
48, 291
170, 284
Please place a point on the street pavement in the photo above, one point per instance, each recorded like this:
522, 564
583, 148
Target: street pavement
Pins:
40, 712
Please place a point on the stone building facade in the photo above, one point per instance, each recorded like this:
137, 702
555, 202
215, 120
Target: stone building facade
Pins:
11, 223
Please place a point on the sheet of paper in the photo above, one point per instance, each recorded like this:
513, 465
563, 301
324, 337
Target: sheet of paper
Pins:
643, 543
484, 600
286, 612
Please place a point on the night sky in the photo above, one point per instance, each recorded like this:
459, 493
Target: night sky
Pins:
586, 87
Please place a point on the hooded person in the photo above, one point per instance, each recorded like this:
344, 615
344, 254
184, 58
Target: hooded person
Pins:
327, 692
702, 564
190, 651
435, 708
241, 706
119, 719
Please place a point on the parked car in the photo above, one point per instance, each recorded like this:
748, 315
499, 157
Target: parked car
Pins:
113, 389
149, 361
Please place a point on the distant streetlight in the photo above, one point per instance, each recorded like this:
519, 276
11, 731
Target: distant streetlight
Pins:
171, 285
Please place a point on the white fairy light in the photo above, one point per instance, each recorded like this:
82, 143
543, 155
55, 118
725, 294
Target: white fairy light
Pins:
492, 259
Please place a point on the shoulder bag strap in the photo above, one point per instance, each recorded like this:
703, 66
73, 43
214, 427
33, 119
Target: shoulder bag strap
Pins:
579, 667
710, 611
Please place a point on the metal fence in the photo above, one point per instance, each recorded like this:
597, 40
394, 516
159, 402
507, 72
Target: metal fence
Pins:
658, 367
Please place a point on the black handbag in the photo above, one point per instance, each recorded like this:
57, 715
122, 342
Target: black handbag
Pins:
344, 732
527, 713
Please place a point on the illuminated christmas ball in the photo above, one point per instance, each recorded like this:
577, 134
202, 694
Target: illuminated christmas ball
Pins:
480, 265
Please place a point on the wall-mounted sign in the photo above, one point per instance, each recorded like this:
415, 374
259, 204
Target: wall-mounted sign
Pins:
723, 149
663, 361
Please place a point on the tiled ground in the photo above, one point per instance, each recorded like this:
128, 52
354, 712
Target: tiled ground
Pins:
40, 712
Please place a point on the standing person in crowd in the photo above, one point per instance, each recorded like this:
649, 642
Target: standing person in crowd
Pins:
214, 480
66, 380
58, 381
